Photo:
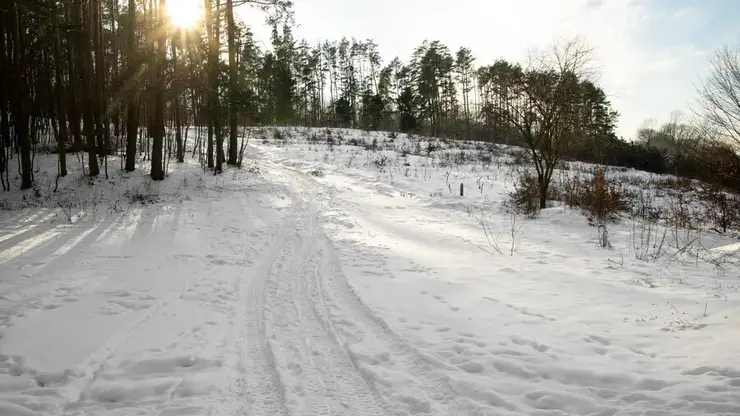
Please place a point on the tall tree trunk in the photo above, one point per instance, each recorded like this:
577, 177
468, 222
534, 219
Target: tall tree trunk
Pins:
217, 127
4, 99
20, 112
115, 72
213, 104
131, 86
84, 61
101, 103
180, 151
102, 75
157, 171
60, 93
233, 139
74, 85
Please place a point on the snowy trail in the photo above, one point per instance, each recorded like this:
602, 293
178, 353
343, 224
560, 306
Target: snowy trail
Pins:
320, 372
361, 332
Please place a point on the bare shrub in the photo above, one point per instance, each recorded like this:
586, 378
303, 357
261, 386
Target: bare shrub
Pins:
721, 209
525, 196
645, 207
681, 320
648, 240
514, 232
431, 148
520, 157
679, 211
494, 239
681, 184
602, 200
69, 203
142, 194
381, 162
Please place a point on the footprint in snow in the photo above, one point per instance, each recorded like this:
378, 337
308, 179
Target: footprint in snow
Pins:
600, 340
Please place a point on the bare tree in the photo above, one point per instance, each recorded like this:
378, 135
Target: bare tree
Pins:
545, 96
719, 96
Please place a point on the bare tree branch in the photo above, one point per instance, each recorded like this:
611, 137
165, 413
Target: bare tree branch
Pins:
719, 95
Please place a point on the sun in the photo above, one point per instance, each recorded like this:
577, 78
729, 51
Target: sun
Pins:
185, 14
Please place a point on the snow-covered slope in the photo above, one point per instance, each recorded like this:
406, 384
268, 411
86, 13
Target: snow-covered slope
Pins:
348, 279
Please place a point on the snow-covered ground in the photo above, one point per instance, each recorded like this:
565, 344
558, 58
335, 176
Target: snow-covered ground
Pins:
351, 280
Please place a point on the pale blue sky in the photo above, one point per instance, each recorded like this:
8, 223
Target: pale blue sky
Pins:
651, 52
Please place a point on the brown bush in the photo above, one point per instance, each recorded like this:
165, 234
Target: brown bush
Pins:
600, 199
525, 198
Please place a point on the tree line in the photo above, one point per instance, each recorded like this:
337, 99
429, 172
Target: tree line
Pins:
113, 76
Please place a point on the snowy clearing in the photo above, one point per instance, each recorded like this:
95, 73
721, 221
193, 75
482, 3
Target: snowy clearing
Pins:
328, 280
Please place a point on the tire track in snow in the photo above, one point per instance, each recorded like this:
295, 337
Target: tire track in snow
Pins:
402, 357
257, 388
261, 389
334, 288
319, 374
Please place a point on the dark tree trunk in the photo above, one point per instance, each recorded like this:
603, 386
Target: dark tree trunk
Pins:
544, 187
217, 128
131, 82
4, 98
58, 78
213, 110
103, 118
157, 171
72, 69
84, 61
98, 79
178, 122
20, 110
233, 140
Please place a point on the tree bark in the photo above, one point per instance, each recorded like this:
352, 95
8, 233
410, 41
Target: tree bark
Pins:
4, 99
233, 139
157, 171
84, 60
102, 126
131, 83
20, 113
180, 151
213, 104
61, 115
72, 69
218, 129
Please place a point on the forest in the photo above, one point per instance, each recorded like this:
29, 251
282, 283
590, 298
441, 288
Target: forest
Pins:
113, 77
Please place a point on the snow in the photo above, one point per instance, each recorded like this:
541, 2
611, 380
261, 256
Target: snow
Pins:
351, 279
